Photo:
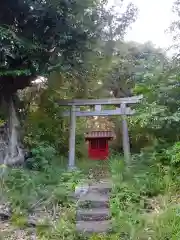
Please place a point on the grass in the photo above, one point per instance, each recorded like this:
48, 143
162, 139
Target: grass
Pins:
94, 169
45, 193
143, 203
144, 200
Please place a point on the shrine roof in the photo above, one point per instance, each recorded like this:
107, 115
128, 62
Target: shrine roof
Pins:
100, 134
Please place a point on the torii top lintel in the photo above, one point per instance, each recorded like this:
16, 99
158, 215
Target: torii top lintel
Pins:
110, 101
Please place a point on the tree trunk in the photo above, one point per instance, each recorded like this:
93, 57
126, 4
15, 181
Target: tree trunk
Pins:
11, 151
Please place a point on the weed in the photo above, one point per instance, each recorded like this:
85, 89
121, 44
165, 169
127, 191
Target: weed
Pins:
141, 199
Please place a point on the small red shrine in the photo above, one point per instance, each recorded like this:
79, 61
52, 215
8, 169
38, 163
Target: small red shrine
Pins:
98, 147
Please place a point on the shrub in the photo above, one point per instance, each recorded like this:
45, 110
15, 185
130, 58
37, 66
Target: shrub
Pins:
42, 157
134, 192
173, 154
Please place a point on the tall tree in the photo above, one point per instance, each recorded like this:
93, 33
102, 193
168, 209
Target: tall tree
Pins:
134, 70
38, 37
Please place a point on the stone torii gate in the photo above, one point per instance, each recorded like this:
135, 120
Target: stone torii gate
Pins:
75, 111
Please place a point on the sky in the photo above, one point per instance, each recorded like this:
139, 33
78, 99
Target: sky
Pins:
153, 19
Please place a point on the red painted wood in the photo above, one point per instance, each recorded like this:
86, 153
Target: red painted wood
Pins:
98, 148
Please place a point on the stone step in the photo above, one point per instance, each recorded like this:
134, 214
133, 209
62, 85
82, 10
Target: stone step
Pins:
93, 214
93, 200
93, 226
104, 187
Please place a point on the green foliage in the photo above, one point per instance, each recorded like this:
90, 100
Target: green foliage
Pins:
173, 153
68, 38
166, 226
19, 219
43, 18
86, 58
45, 125
46, 191
51, 185
63, 229
41, 192
158, 115
41, 158
143, 196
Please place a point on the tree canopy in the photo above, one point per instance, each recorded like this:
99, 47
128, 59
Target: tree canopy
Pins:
41, 38
37, 36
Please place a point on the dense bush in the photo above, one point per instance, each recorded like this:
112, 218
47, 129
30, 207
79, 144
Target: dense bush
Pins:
144, 194
41, 158
173, 153
45, 194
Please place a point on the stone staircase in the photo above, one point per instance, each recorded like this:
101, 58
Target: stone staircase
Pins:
93, 214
